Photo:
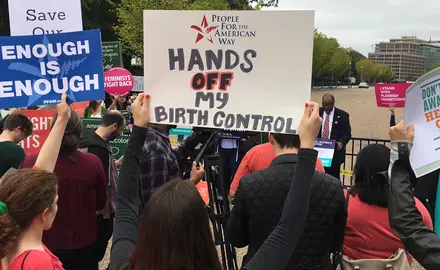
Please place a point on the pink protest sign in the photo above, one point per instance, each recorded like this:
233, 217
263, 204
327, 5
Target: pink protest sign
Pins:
391, 94
118, 81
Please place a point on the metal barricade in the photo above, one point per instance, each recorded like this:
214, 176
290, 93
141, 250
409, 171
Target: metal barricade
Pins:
353, 147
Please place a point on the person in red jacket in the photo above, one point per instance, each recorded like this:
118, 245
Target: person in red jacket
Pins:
258, 158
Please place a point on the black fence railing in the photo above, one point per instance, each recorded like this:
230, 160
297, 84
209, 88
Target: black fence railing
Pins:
353, 147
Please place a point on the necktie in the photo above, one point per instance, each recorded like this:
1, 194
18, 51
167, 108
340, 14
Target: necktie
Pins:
326, 133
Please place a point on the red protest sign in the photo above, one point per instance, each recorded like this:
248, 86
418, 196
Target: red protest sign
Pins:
41, 120
202, 187
391, 94
118, 81
79, 107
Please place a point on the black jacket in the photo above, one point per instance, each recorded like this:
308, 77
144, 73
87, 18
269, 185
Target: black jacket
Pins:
405, 220
94, 144
258, 205
341, 132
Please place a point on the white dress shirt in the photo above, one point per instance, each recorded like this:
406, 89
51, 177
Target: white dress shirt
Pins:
330, 122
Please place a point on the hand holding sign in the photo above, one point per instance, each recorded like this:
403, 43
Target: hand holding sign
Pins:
141, 110
310, 125
63, 109
398, 132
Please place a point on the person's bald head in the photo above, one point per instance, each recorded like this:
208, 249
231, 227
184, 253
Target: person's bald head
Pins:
328, 102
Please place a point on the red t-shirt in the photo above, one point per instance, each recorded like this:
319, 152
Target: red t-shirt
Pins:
368, 234
36, 260
258, 158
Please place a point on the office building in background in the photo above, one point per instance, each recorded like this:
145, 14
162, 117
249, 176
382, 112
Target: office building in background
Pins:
408, 57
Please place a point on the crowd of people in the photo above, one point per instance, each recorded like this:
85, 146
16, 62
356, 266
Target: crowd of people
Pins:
59, 208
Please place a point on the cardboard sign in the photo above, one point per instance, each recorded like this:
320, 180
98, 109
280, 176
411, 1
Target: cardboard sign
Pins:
112, 54
42, 121
326, 150
118, 81
422, 109
138, 84
118, 145
178, 135
391, 94
80, 107
44, 17
36, 70
229, 69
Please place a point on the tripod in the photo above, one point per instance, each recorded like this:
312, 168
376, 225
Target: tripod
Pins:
218, 206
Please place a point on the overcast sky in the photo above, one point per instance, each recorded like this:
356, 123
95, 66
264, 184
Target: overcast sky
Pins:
362, 23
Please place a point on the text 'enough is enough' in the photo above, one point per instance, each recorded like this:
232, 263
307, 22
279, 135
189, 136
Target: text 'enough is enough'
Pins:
43, 86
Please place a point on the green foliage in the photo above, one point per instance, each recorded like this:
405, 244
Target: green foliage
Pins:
329, 58
98, 14
384, 73
130, 18
355, 57
366, 69
432, 67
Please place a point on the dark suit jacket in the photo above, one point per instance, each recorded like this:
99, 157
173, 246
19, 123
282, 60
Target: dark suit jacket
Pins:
341, 132
259, 202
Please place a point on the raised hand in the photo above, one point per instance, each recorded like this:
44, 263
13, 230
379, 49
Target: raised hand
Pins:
398, 132
197, 173
63, 109
310, 125
141, 110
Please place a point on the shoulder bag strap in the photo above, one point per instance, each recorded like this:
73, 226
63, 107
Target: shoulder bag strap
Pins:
24, 259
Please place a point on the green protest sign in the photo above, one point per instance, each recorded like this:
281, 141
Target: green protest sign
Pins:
118, 145
112, 55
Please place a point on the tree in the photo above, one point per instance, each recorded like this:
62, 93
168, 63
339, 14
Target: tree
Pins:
130, 18
339, 62
355, 57
432, 67
384, 73
366, 69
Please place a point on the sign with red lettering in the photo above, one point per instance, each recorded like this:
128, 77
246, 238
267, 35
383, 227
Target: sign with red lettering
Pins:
236, 70
118, 81
391, 94
41, 120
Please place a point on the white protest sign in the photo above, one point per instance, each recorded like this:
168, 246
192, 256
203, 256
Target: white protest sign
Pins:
30, 17
138, 84
229, 69
422, 108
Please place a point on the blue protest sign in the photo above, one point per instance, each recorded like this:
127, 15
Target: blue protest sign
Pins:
326, 150
36, 70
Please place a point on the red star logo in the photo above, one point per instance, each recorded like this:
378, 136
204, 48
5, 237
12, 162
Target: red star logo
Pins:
204, 31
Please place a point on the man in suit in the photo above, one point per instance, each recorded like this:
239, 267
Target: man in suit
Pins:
335, 126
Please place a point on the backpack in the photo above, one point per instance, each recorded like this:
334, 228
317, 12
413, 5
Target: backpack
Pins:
397, 261
111, 180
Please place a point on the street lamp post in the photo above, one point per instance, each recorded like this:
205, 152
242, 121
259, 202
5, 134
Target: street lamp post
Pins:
362, 73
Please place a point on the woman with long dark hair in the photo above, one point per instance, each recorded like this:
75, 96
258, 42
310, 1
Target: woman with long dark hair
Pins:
174, 229
122, 104
82, 193
94, 109
368, 234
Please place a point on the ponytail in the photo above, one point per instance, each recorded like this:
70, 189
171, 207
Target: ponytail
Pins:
9, 233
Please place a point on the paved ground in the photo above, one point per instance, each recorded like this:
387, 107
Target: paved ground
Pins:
366, 121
